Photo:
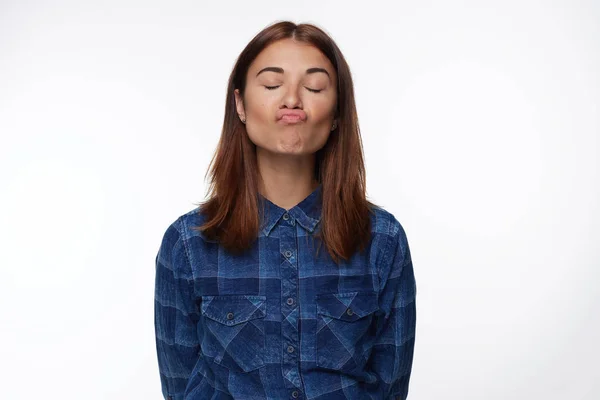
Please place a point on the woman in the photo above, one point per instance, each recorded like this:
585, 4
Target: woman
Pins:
246, 306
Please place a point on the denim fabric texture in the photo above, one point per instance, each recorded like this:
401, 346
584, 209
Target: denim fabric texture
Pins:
280, 321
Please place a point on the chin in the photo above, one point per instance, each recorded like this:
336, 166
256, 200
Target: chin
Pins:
291, 151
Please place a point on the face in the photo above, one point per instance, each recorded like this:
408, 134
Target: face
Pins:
290, 99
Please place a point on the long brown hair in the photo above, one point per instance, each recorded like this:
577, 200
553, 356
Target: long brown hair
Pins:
232, 209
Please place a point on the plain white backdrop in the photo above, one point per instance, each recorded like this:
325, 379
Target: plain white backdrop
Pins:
481, 129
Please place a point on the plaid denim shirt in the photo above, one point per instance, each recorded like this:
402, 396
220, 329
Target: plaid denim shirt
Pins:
280, 322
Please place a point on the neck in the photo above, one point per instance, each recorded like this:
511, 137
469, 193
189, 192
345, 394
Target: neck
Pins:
286, 180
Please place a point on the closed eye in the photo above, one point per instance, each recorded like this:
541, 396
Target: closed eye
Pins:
309, 89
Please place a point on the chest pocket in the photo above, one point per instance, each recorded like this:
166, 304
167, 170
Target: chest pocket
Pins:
345, 333
234, 331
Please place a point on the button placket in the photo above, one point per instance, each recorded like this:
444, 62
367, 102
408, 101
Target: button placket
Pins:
290, 345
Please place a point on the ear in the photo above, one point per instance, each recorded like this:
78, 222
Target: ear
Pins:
239, 104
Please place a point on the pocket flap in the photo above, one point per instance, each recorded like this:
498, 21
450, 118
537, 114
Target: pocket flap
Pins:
347, 306
234, 309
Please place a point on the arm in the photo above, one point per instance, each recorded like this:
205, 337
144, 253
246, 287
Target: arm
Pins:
175, 315
392, 355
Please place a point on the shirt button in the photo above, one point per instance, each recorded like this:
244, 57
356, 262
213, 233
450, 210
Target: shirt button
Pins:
290, 301
349, 311
290, 349
288, 253
286, 216
230, 315
295, 394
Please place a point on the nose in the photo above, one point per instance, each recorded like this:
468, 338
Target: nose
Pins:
291, 97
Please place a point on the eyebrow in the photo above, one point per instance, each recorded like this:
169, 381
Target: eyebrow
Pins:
280, 70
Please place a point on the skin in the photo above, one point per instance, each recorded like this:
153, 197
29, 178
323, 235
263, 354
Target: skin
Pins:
286, 152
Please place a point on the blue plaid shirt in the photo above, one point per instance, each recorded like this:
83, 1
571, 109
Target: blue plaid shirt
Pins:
281, 321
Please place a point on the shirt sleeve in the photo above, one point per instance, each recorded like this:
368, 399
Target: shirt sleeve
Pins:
175, 315
392, 355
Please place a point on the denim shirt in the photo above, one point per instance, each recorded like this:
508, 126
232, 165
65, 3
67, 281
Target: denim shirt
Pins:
281, 321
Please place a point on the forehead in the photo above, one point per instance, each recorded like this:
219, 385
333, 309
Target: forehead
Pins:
290, 55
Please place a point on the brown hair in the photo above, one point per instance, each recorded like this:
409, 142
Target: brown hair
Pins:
232, 216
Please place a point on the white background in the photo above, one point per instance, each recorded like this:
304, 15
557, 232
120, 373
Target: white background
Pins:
480, 122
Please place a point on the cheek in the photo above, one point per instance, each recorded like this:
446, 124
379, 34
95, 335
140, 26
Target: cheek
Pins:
258, 106
259, 112
325, 108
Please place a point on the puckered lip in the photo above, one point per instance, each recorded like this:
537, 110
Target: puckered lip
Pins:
297, 113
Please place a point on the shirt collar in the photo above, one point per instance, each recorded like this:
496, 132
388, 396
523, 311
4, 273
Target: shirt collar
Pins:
307, 213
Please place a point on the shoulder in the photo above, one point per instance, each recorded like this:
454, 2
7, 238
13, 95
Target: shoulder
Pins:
179, 243
180, 231
385, 223
390, 231
186, 224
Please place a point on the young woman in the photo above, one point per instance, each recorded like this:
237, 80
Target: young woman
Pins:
286, 283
